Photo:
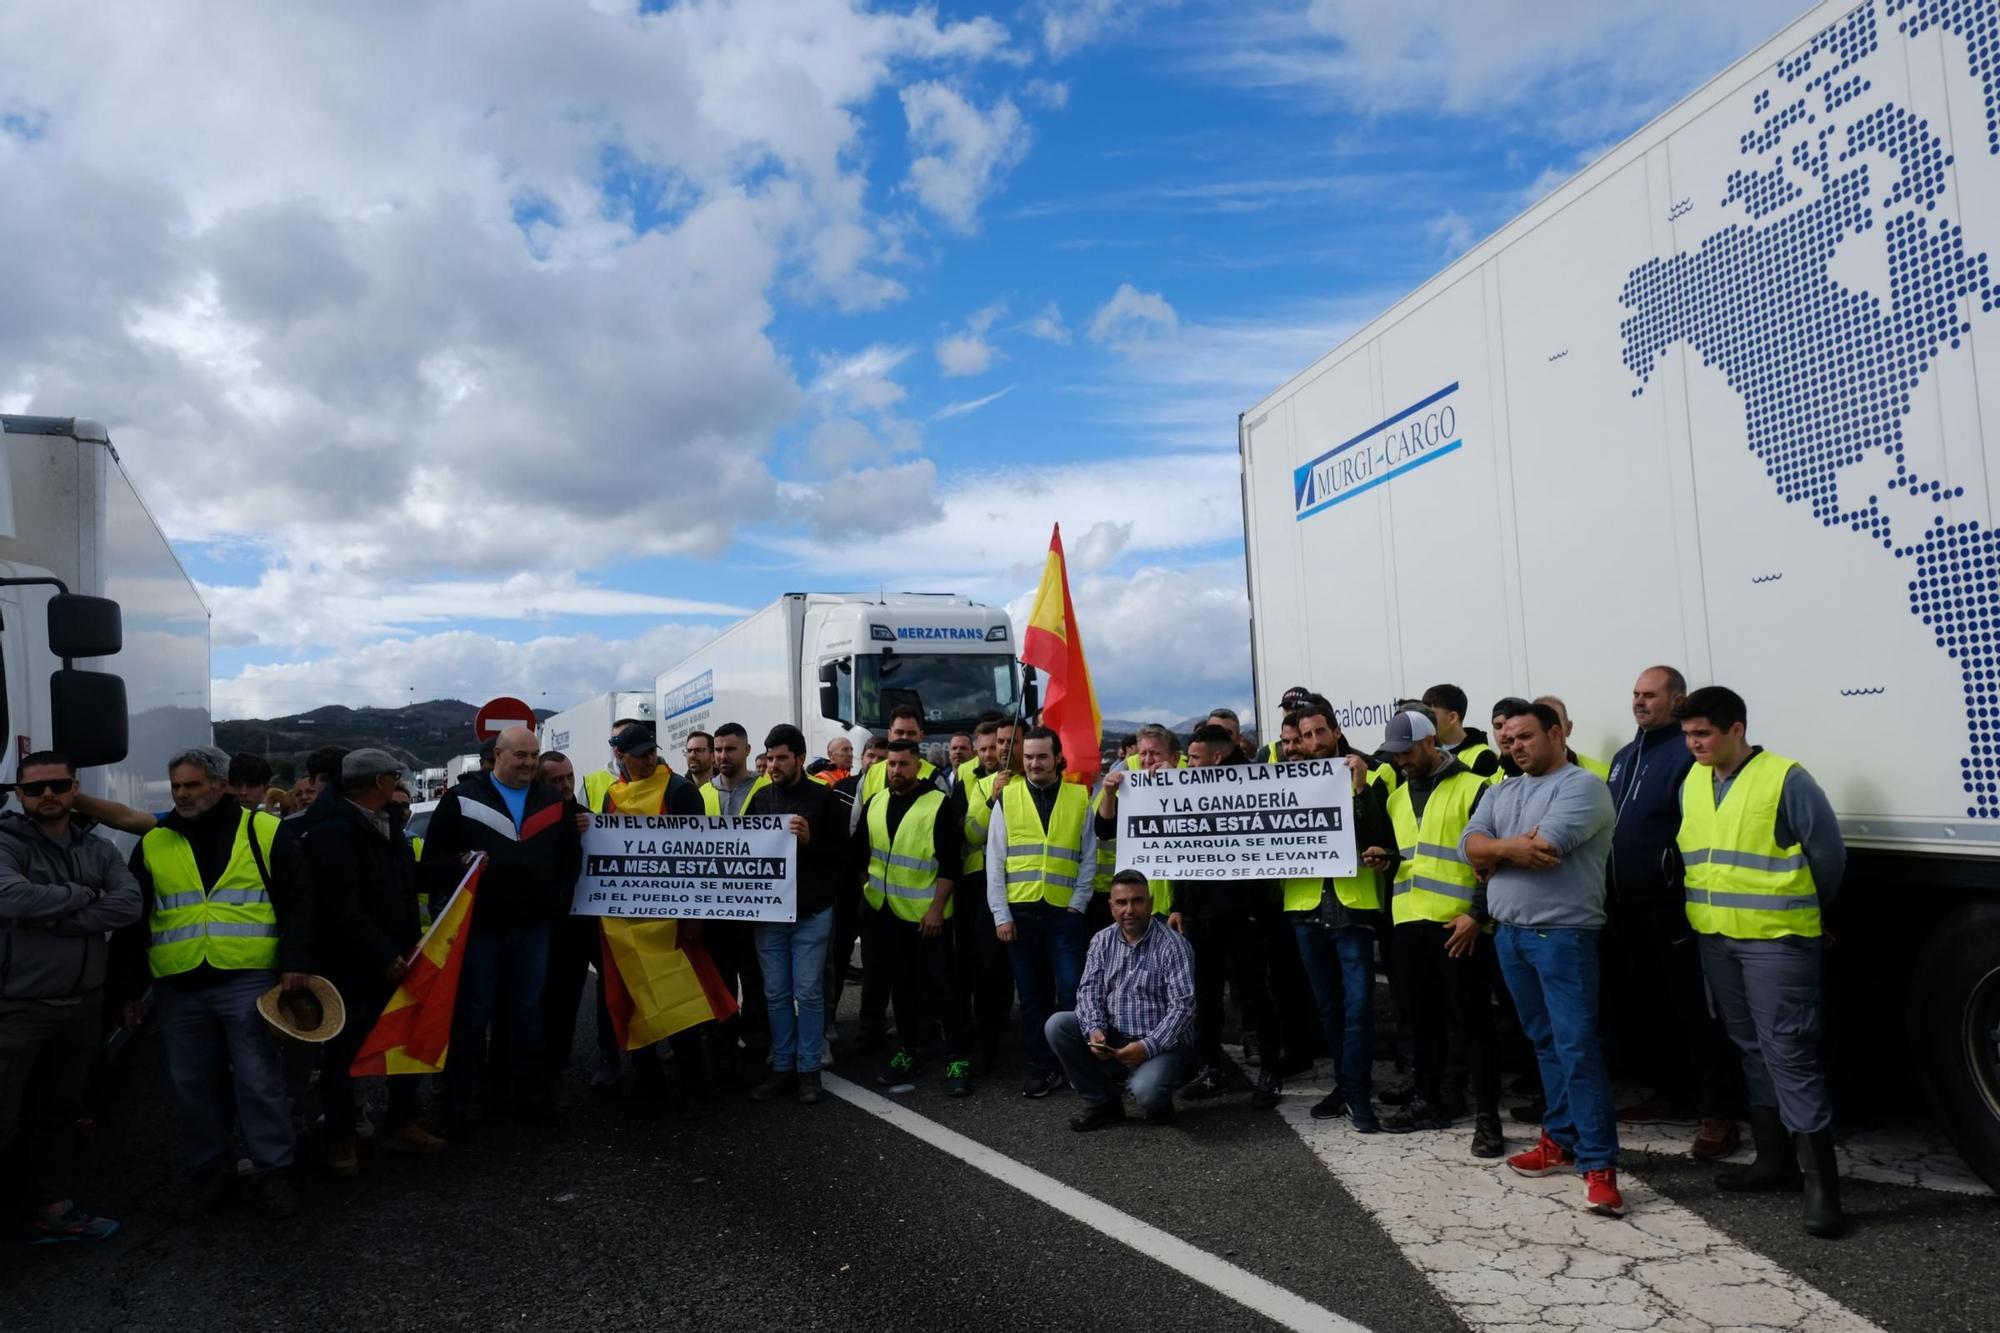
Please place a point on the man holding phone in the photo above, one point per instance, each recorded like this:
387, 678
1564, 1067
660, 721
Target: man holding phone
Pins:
1134, 1011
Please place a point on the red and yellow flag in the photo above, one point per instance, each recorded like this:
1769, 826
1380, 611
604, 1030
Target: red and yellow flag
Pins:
1054, 646
414, 1032
656, 983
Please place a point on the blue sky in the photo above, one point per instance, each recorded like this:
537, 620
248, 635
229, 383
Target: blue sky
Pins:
522, 357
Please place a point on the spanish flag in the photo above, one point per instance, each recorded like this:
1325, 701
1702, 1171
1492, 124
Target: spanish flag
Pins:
414, 1032
656, 984
1054, 646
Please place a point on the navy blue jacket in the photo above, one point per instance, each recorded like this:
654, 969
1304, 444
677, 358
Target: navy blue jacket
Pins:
1646, 778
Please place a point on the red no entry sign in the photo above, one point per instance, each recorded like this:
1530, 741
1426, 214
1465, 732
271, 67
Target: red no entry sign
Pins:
496, 715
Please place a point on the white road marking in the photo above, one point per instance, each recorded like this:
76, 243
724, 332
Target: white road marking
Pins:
1245, 1288
1510, 1252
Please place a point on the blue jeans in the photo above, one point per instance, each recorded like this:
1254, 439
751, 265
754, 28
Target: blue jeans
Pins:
1047, 954
1340, 964
1097, 1081
215, 1038
503, 973
794, 959
1552, 975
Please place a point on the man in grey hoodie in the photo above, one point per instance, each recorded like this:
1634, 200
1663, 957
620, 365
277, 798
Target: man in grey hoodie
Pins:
61, 890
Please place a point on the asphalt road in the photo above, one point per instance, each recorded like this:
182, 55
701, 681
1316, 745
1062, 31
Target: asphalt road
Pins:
768, 1216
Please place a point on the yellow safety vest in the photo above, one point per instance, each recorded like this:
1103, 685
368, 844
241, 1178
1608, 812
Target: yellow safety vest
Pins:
711, 795
1740, 882
1359, 892
231, 924
1469, 755
1042, 864
416, 849
1595, 767
904, 872
978, 816
967, 771
1434, 882
876, 780
595, 785
1132, 762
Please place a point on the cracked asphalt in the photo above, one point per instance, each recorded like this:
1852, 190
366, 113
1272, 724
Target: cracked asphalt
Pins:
828, 1218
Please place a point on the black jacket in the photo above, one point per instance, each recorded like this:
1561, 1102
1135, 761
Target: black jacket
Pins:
822, 860
1646, 779
366, 889
530, 873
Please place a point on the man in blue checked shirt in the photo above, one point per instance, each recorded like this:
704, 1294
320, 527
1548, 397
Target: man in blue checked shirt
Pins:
1134, 1012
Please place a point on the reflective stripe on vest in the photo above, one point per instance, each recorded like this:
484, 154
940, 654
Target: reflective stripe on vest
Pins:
1434, 881
978, 813
231, 925
904, 872
1043, 865
1740, 882
1359, 892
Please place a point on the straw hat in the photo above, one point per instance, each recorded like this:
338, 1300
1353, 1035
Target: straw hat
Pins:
315, 1014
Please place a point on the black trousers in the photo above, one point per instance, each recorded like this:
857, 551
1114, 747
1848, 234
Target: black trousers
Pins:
922, 975
985, 973
1690, 1059
1229, 948
1296, 1016
733, 946
1451, 1009
573, 947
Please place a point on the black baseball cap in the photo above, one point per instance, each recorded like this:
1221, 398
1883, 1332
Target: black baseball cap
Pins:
635, 739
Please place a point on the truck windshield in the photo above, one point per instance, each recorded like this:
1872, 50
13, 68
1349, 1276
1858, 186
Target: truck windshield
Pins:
952, 689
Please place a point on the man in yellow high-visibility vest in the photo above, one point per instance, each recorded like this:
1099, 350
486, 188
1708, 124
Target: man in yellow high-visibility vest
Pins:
1764, 858
220, 888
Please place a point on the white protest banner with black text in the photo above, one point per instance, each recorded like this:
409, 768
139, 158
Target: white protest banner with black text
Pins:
693, 867
1239, 821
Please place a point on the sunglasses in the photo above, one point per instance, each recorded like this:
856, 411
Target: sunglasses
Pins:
56, 785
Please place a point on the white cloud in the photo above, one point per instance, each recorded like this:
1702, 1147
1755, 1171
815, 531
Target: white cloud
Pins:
1452, 232
1068, 25
388, 287
1048, 94
1571, 65
1132, 318
862, 380
1047, 325
553, 671
968, 407
958, 153
872, 502
967, 352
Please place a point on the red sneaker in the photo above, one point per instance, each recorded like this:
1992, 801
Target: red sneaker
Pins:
1601, 1194
1544, 1159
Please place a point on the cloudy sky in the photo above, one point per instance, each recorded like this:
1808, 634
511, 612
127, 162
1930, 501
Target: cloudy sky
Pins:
518, 345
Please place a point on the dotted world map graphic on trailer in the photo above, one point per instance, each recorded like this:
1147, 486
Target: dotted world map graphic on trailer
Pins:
1826, 371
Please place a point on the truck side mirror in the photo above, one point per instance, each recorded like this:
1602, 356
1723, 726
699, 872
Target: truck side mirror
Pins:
87, 713
829, 692
82, 626
1031, 693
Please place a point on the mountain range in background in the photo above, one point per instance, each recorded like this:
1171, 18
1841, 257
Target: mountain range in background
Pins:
423, 735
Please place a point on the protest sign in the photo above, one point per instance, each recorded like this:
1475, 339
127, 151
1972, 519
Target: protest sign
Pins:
1238, 821
694, 867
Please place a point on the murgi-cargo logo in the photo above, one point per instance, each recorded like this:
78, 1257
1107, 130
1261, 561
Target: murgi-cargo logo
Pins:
1421, 433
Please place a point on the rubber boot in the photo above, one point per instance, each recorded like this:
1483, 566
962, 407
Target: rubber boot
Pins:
1822, 1183
1777, 1164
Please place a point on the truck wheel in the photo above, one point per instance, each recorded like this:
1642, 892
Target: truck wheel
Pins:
1955, 1032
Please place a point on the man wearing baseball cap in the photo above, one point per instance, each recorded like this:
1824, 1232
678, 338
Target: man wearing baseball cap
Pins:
1437, 904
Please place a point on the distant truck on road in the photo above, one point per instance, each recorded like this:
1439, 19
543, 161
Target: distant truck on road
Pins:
1715, 402
837, 664
86, 575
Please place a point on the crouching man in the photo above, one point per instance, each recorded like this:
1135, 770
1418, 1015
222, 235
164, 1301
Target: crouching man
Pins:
1134, 1013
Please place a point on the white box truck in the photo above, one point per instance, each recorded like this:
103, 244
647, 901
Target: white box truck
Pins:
1715, 402
584, 732
837, 664
86, 575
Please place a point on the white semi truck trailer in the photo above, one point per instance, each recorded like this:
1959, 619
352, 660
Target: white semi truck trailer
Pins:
104, 641
1716, 402
837, 664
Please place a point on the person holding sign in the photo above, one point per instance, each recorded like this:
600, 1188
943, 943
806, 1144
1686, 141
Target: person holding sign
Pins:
1134, 1007
793, 953
914, 851
1438, 906
1335, 921
1036, 852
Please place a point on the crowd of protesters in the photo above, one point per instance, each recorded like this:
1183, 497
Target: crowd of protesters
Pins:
1519, 898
